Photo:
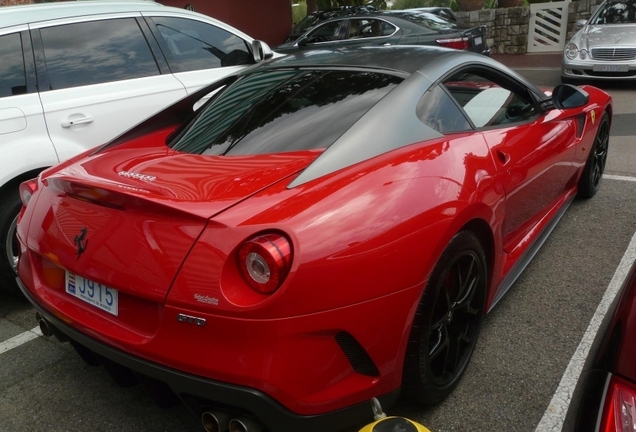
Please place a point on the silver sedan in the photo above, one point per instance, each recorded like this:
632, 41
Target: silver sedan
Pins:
605, 46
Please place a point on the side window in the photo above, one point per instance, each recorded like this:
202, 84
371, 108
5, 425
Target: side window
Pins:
194, 45
12, 74
373, 28
437, 110
487, 102
333, 31
96, 52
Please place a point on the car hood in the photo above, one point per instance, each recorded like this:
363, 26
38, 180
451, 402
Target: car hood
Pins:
618, 35
139, 210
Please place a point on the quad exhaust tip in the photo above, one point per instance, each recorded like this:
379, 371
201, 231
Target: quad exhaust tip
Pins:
219, 421
242, 424
44, 326
215, 421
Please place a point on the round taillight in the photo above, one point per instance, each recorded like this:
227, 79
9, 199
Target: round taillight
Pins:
264, 262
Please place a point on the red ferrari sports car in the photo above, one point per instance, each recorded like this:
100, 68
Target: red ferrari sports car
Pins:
329, 227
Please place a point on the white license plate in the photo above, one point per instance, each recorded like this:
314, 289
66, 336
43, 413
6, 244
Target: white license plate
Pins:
478, 40
610, 68
98, 295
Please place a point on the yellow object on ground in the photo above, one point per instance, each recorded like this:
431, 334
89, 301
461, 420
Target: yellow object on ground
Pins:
394, 424
383, 423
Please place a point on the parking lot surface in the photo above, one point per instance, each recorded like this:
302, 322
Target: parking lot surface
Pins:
525, 347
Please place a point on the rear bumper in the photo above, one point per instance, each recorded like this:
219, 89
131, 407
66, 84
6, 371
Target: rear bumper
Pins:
274, 416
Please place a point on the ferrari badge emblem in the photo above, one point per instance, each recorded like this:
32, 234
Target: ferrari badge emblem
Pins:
593, 116
81, 242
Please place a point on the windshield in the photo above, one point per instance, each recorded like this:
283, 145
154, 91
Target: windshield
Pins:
283, 110
616, 12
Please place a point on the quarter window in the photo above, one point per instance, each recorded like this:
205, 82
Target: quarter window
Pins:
12, 74
438, 110
96, 52
193, 45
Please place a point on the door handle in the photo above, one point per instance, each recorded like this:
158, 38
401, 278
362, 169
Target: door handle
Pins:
504, 157
386, 44
82, 120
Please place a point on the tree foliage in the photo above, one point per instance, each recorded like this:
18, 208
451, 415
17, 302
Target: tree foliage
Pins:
407, 4
328, 4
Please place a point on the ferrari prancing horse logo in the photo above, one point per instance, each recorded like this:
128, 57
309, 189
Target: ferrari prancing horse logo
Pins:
593, 116
81, 242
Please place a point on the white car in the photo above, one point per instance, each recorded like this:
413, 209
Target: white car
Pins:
74, 75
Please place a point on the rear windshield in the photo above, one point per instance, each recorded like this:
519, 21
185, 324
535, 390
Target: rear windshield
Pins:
283, 110
430, 21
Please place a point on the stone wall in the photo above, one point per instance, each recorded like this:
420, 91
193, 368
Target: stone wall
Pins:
14, 2
508, 28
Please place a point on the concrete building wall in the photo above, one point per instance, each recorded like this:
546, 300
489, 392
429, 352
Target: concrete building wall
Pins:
269, 21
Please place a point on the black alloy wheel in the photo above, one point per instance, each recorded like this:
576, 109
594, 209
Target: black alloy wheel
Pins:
447, 322
595, 166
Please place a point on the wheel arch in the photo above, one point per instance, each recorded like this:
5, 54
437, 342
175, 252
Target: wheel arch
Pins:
483, 232
15, 182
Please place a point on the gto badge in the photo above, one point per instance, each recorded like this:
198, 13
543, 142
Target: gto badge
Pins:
137, 176
188, 319
81, 242
593, 116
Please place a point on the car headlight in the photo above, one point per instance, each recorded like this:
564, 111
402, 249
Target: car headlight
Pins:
571, 51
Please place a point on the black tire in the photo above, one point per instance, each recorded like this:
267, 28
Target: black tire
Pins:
447, 322
590, 180
10, 205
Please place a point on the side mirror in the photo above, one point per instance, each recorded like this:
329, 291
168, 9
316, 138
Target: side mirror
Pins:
302, 41
579, 24
261, 51
567, 96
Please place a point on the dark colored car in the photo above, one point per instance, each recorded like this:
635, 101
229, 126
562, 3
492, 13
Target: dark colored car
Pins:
391, 28
317, 17
605, 396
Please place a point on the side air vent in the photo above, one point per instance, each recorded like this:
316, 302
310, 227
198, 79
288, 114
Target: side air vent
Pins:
580, 124
357, 356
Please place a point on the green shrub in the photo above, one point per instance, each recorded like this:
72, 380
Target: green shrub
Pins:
299, 11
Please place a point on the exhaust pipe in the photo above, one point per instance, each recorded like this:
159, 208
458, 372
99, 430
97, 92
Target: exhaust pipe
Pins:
49, 329
215, 421
242, 424
44, 326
